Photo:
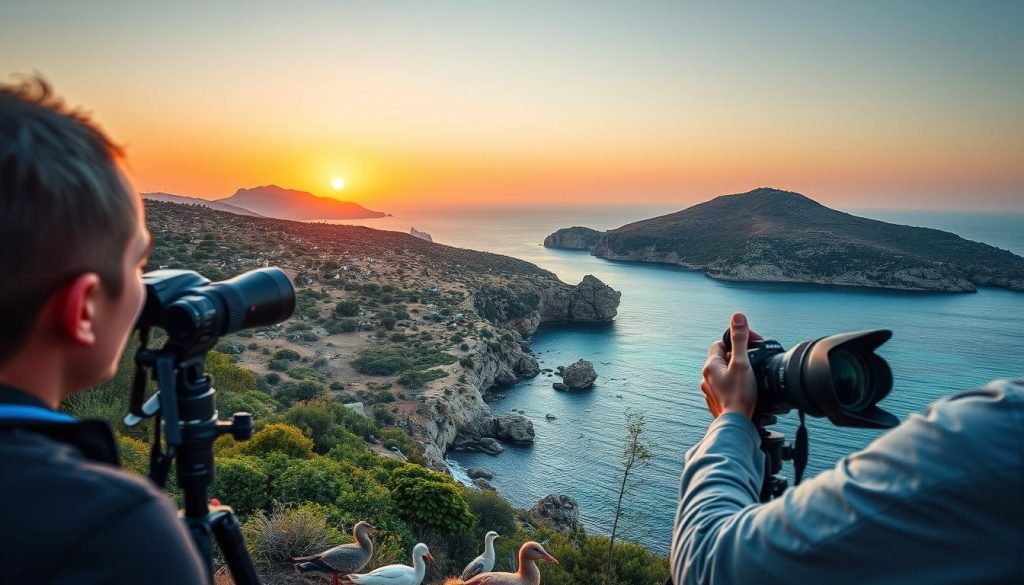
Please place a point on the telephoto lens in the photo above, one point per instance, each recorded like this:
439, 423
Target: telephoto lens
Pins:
839, 377
195, 312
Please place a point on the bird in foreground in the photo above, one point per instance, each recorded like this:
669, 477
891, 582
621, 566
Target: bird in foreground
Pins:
483, 563
528, 573
341, 560
398, 574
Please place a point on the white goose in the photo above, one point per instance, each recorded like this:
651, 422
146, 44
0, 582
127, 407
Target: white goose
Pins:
398, 574
483, 563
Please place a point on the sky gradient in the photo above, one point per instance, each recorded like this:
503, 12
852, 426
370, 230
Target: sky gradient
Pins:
857, 104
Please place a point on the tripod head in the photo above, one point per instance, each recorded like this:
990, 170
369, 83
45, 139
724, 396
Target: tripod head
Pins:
773, 443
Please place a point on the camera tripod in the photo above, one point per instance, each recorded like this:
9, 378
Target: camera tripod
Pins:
776, 451
185, 403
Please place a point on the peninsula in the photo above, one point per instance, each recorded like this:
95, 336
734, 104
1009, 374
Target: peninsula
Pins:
769, 235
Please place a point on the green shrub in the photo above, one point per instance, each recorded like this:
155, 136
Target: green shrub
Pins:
293, 392
272, 378
343, 326
464, 347
321, 480
287, 354
241, 483
347, 309
466, 362
382, 361
297, 326
492, 512
430, 500
134, 454
279, 365
278, 438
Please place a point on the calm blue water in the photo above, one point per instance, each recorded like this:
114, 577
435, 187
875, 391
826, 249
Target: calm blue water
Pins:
653, 352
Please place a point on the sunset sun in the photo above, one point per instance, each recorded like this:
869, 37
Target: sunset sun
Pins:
338, 183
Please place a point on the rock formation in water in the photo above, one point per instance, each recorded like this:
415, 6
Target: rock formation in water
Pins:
768, 235
577, 376
560, 512
574, 238
421, 235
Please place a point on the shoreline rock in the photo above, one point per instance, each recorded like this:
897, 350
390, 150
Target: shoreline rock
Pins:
579, 375
561, 512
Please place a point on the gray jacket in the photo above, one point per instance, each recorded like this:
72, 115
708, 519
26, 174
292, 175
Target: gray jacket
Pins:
939, 499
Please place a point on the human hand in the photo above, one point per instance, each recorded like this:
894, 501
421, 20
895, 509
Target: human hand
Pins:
728, 380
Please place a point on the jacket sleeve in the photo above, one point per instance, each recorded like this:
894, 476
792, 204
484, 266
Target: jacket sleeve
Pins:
144, 544
952, 480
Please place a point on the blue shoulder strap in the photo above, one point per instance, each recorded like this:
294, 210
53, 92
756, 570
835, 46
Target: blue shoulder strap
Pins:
28, 413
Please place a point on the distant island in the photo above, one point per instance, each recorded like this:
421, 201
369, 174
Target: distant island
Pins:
277, 202
770, 235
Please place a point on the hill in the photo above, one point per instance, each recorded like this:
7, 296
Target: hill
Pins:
769, 235
215, 205
274, 201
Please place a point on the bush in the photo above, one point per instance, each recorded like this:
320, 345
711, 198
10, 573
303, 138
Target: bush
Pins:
241, 483
464, 347
305, 390
286, 533
324, 421
134, 454
287, 354
466, 362
388, 323
278, 438
417, 378
382, 361
347, 309
321, 480
430, 500
272, 378
492, 512
343, 326
279, 365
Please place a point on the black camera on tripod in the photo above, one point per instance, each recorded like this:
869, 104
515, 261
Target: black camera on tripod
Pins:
195, 313
839, 377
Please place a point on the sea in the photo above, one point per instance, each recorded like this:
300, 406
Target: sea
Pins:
649, 358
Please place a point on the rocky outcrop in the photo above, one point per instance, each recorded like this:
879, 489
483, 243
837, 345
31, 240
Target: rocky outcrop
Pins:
578, 376
483, 485
589, 301
514, 428
479, 473
421, 235
574, 238
558, 511
488, 445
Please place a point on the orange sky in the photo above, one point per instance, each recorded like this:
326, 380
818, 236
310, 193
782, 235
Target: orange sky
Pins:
913, 106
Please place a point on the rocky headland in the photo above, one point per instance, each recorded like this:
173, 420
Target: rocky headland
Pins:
769, 235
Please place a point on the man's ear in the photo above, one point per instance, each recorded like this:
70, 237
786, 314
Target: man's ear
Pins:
77, 311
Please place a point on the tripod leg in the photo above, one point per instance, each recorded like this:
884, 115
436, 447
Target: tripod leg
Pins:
231, 542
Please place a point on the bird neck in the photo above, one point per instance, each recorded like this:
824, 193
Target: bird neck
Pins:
489, 548
420, 566
364, 541
528, 572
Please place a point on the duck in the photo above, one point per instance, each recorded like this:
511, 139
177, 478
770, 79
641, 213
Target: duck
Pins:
528, 573
341, 560
398, 574
483, 563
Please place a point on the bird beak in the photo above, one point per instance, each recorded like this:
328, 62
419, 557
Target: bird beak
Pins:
551, 559
374, 529
430, 557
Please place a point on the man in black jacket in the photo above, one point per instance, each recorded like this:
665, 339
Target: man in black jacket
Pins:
73, 243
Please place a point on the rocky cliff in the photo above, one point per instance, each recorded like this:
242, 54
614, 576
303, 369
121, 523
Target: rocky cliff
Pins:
461, 418
768, 235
